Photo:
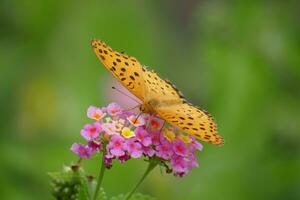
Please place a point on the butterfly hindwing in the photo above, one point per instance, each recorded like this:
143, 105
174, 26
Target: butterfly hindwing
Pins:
174, 108
125, 69
191, 120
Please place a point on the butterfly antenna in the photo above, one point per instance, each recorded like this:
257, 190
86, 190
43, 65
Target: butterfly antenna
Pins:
162, 127
125, 94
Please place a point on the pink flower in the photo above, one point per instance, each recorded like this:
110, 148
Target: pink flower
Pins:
143, 136
147, 116
164, 151
193, 161
180, 148
197, 145
180, 174
156, 123
109, 128
136, 120
123, 135
148, 151
155, 137
134, 148
116, 146
123, 158
91, 131
108, 161
163, 139
179, 164
114, 109
104, 109
94, 146
95, 113
81, 150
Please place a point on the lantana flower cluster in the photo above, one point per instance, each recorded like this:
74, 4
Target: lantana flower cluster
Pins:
122, 135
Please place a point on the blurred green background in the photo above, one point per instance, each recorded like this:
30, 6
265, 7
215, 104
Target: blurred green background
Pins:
240, 60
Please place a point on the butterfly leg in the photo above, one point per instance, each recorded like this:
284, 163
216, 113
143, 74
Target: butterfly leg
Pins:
132, 108
137, 117
162, 127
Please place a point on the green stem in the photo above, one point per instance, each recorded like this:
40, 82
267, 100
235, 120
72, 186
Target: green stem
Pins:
100, 178
151, 166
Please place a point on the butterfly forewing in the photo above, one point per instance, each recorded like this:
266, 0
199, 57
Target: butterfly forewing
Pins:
125, 69
158, 88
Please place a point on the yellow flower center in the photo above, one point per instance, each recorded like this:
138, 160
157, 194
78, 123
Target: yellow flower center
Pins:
127, 133
135, 121
97, 116
154, 123
169, 135
184, 138
108, 119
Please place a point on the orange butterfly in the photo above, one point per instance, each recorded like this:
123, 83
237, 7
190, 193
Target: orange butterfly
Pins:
160, 97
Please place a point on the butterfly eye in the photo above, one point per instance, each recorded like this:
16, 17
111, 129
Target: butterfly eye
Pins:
141, 107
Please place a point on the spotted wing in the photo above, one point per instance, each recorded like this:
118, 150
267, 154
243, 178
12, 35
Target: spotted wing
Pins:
158, 88
175, 109
125, 69
191, 120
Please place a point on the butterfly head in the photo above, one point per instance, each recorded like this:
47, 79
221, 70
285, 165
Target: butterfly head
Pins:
148, 106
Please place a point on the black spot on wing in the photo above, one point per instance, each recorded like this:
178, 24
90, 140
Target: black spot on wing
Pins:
175, 88
132, 77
